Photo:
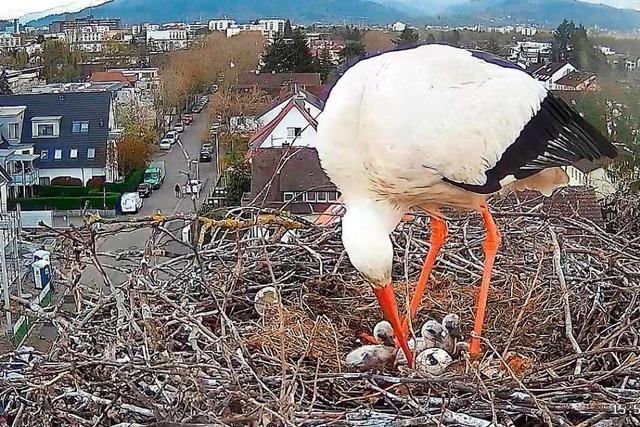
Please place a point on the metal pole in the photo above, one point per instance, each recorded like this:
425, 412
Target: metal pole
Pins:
5, 283
18, 238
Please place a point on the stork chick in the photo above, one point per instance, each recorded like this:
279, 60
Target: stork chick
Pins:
432, 335
374, 356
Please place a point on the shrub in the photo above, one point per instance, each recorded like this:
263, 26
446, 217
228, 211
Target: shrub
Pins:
67, 181
129, 184
65, 203
60, 191
96, 182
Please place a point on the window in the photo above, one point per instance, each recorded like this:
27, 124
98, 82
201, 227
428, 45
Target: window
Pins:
45, 180
57, 154
44, 154
80, 127
13, 130
287, 197
45, 129
333, 196
311, 197
293, 132
74, 153
322, 196
91, 153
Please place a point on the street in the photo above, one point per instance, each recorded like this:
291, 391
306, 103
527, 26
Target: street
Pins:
162, 199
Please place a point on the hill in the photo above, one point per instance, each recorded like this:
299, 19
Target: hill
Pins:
547, 13
307, 11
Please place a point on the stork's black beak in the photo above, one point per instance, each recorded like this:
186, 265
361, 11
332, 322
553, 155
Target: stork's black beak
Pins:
455, 332
388, 340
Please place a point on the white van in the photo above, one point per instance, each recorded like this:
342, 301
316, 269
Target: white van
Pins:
130, 203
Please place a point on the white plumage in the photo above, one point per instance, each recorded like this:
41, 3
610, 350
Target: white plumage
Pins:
436, 126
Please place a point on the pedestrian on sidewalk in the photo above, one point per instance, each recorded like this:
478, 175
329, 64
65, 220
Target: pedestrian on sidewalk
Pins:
177, 190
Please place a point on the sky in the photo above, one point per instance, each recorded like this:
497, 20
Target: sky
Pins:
10, 9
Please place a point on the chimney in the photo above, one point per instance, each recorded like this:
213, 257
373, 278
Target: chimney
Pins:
16, 26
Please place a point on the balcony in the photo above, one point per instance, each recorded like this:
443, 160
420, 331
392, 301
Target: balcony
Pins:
25, 178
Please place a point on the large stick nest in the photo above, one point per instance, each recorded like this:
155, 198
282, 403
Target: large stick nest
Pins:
179, 340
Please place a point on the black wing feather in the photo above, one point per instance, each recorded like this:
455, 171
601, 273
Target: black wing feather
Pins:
556, 136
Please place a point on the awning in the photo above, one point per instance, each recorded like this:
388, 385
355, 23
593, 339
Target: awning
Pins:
23, 157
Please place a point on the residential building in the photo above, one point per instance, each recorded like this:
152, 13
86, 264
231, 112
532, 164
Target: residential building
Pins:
271, 27
88, 38
59, 135
530, 53
577, 80
221, 24
398, 26
275, 83
22, 80
550, 73
113, 76
167, 40
249, 124
64, 25
146, 79
285, 167
10, 42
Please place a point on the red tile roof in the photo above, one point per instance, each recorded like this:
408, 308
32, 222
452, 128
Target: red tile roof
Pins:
112, 76
575, 78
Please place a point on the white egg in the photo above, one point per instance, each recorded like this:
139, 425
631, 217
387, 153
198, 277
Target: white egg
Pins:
265, 297
433, 361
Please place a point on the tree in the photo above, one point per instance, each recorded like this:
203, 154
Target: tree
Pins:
562, 36
351, 50
377, 41
430, 38
59, 63
493, 47
40, 39
238, 180
288, 31
408, 36
5, 87
137, 144
324, 64
289, 56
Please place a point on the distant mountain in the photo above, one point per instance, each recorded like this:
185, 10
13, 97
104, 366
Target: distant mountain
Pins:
66, 7
551, 12
547, 13
307, 11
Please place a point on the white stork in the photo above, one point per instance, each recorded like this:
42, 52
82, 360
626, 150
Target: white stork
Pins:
436, 126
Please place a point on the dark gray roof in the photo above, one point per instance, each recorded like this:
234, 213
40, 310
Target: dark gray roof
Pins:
93, 107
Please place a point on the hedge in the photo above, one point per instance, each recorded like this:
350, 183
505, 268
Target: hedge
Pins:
65, 203
60, 191
130, 184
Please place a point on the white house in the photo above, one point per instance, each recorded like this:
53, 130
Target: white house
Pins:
549, 74
221, 24
399, 26
167, 40
247, 124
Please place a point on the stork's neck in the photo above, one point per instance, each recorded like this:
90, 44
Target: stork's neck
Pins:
381, 213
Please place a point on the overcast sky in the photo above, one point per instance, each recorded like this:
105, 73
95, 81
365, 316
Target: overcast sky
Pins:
10, 9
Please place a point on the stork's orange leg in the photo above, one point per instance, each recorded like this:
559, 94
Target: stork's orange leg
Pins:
438, 236
388, 304
490, 247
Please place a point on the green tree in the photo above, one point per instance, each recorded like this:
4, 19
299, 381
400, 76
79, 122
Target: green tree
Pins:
238, 179
351, 50
324, 64
5, 87
408, 36
430, 38
289, 56
493, 47
288, 31
59, 63
562, 37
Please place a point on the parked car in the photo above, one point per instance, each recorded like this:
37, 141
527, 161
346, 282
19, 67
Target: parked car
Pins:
144, 190
205, 153
166, 144
186, 121
214, 88
215, 126
172, 136
179, 127
130, 203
